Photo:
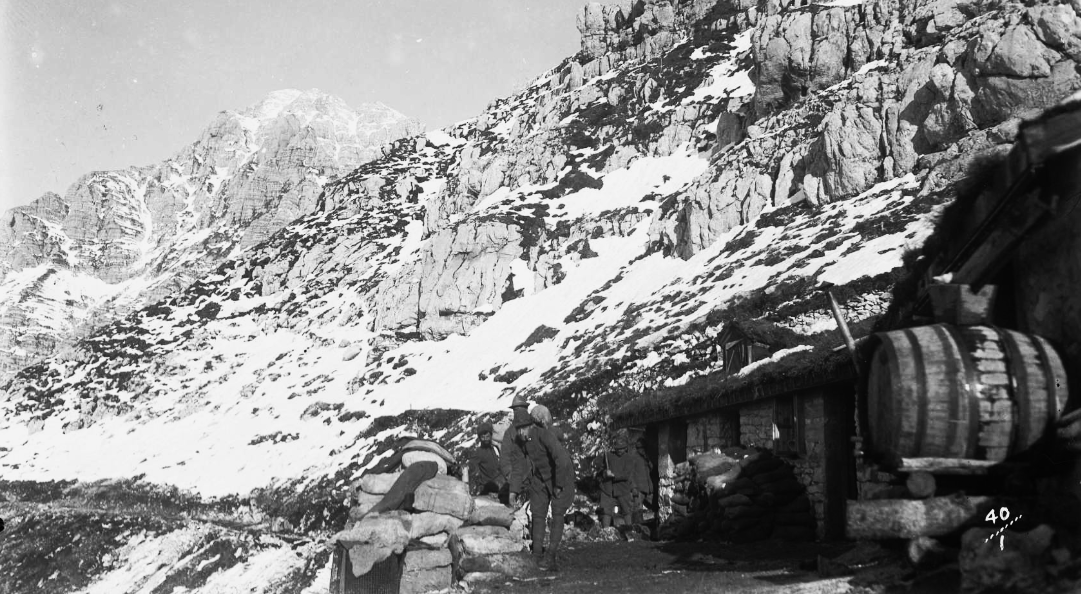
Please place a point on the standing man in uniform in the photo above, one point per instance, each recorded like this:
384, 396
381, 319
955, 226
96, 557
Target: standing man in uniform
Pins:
485, 474
551, 473
510, 453
642, 489
616, 484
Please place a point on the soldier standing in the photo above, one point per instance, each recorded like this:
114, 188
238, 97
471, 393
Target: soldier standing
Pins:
485, 474
546, 462
616, 484
642, 489
510, 453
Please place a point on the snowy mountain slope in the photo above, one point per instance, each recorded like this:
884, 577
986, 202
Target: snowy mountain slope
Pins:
122, 239
580, 241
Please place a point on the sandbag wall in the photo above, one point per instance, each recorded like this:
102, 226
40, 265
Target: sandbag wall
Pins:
445, 536
740, 496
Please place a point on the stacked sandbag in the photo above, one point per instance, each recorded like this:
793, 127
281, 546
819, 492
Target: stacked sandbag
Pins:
489, 545
711, 464
795, 520
375, 484
426, 569
421, 534
758, 499
444, 495
374, 538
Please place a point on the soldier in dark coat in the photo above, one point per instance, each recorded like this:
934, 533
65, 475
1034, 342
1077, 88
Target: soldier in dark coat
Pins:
642, 479
510, 453
549, 467
617, 484
485, 474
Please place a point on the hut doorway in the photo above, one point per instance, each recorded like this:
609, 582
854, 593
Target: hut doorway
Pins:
840, 465
677, 441
652, 453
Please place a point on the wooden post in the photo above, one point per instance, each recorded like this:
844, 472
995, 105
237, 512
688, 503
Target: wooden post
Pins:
849, 342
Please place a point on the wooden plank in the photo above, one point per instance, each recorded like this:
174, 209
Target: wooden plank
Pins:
1004, 233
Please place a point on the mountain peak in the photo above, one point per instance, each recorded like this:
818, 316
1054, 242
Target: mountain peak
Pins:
312, 104
285, 100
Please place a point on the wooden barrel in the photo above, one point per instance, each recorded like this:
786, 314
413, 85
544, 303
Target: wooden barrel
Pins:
961, 392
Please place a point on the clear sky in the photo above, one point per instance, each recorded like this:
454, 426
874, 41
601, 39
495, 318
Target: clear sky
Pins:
97, 84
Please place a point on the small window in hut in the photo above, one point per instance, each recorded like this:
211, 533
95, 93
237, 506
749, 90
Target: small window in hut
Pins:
788, 426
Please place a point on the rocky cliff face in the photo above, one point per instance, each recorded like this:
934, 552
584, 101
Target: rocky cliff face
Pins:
850, 94
122, 239
696, 163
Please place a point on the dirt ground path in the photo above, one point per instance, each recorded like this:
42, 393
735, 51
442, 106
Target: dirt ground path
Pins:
641, 567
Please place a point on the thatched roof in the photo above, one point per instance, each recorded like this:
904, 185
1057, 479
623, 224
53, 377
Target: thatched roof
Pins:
799, 371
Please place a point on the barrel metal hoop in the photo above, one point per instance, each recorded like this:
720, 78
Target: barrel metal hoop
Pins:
921, 390
971, 391
1018, 376
1053, 407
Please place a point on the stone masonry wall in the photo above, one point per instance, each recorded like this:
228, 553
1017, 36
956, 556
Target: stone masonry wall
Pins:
712, 431
810, 468
756, 425
665, 475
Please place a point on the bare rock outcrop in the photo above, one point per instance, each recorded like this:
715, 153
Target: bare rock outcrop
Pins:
799, 50
458, 281
879, 85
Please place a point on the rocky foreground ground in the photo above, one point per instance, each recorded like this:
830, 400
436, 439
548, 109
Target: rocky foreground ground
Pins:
39, 552
72, 541
642, 566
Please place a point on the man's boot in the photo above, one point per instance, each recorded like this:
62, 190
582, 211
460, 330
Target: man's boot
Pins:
550, 562
541, 559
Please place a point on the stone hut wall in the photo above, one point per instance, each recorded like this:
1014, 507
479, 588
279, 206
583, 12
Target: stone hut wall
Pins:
810, 466
756, 425
712, 431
